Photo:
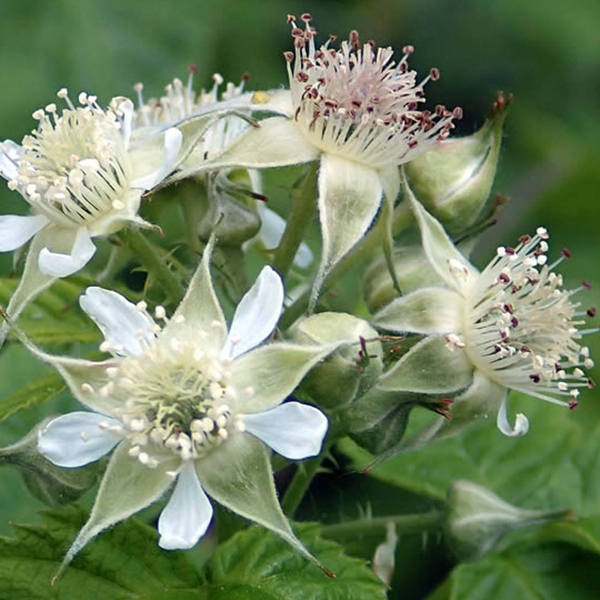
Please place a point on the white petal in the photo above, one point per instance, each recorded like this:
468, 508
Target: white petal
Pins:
63, 265
173, 141
521, 422
9, 155
77, 439
16, 231
293, 430
187, 515
127, 329
256, 314
271, 231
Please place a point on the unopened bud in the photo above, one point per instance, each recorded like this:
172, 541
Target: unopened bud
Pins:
454, 180
349, 371
476, 519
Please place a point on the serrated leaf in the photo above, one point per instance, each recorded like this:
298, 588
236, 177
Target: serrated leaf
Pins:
554, 572
256, 565
124, 564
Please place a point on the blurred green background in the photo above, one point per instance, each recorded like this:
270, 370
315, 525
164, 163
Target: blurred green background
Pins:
547, 52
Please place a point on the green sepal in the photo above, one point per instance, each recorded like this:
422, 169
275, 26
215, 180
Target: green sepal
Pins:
426, 311
453, 180
269, 374
238, 475
126, 488
429, 367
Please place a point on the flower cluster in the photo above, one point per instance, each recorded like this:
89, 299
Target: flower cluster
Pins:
188, 408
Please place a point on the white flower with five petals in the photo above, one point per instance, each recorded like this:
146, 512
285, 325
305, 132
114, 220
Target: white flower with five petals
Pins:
356, 111
82, 178
189, 404
510, 327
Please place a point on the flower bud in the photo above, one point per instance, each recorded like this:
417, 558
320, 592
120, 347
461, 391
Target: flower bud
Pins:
477, 520
454, 180
237, 223
412, 271
348, 372
50, 484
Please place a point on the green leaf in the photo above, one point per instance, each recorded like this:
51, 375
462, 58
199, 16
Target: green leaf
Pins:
124, 564
37, 392
256, 565
54, 316
552, 572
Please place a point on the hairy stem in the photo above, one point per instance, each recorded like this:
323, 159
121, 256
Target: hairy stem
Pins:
425, 521
303, 209
154, 262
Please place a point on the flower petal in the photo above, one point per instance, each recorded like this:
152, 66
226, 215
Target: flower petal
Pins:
293, 430
268, 375
429, 367
238, 475
256, 315
126, 488
127, 329
426, 311
63, 265
77, 439
442, 254
16, 231
188, 513
521, 422
349, 198
9, 155
172, 145
271, 231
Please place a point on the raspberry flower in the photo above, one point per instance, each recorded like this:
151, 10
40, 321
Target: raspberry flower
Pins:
82, 178
181, 104
356, 111
189, 406
511, 327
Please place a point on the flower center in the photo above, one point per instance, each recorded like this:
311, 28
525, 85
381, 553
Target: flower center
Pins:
357, 102
177, 399
522, 329
74, 167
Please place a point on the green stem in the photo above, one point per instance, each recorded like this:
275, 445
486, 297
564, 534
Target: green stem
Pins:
401, 220
405, 523
303, 209
305, 472
154, 262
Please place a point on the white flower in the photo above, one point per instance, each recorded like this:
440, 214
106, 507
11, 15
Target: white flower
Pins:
356, 111
181, 103
82, 179
510, 327
190, 403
